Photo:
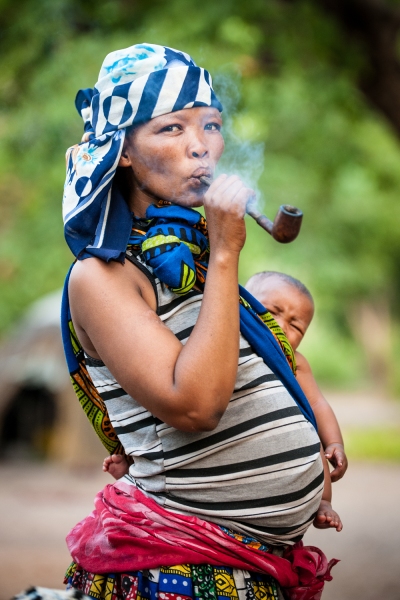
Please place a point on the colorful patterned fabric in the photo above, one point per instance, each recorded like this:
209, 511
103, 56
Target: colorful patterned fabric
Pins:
175, 245
178, 582
277, 332
88, 396
245, 539
135, 85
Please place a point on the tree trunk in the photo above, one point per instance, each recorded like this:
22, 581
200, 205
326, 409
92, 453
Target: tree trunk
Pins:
376, 26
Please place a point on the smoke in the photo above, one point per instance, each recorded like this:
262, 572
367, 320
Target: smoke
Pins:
240, 157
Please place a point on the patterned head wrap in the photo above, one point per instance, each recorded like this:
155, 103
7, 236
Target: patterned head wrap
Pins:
135, 85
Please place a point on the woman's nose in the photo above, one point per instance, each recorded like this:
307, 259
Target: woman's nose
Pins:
198, 155
197, 146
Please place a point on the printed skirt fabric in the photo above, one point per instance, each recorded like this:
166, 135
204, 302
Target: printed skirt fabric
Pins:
180, 582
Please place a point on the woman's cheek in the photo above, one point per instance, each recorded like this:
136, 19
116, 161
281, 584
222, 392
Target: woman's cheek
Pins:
220, 147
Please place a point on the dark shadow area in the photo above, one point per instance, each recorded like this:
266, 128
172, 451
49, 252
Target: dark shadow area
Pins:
27, 423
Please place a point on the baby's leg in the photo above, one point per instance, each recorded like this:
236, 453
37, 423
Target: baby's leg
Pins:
327, 517
117, 465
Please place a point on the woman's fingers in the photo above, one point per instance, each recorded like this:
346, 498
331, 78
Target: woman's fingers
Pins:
222, 183
225, 206
242, 198
226, 191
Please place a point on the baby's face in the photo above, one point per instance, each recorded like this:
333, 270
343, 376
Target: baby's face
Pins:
292, 309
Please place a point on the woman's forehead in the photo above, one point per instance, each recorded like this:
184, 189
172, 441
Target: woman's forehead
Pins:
189, 114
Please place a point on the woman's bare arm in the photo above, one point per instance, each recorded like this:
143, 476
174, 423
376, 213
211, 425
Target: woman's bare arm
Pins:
188, 387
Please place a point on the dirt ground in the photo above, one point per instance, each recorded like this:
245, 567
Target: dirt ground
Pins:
38, 505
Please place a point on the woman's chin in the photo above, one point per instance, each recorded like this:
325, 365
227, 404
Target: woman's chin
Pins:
189, 201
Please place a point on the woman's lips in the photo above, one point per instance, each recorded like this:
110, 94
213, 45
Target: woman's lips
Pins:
203, 170
200, 178
195, 182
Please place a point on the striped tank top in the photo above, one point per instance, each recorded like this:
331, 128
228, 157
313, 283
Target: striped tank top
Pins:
259, 472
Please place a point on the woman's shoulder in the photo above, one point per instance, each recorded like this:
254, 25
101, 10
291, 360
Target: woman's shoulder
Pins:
93, 281
88, 271
93, 272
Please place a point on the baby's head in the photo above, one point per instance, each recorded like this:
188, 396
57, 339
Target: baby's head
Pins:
287, 299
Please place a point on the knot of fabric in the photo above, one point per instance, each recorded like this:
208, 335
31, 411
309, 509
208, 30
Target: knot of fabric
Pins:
312, 568
175, 246
135, 85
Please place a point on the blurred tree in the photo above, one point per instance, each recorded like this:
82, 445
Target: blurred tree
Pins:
290, 74
374, 26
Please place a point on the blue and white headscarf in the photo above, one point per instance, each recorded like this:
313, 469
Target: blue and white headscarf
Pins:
135, 85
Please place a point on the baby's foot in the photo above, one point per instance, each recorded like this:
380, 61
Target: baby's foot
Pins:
117, 465
327, 517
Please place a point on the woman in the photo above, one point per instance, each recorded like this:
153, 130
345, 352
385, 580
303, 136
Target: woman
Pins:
226, 471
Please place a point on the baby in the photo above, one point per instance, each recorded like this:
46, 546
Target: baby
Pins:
292, 306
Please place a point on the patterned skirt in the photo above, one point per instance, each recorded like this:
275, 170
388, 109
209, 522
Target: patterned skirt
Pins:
180, 582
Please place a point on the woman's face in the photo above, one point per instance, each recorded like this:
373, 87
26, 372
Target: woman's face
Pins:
169, 154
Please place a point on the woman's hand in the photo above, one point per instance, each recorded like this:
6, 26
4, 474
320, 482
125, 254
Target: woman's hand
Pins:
225, 206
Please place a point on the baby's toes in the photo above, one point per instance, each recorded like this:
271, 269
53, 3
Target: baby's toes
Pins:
320, 518
333, 523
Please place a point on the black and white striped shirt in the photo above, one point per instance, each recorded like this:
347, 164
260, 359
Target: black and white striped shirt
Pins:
259, 472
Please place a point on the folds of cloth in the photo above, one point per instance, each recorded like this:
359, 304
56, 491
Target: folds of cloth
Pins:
129, 532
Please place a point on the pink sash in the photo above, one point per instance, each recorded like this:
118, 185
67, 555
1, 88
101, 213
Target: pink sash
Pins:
127, 531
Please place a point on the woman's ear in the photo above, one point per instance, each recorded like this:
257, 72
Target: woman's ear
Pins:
125, 160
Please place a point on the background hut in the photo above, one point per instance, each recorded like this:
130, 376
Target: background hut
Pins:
40, 416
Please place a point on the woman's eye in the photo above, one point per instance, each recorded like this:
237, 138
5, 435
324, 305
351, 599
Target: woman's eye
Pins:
213, 127
171, 128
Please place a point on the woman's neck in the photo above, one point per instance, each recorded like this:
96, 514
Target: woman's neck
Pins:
137, 198
139, 205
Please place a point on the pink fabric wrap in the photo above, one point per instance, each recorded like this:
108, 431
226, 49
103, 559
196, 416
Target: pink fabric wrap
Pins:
128, 531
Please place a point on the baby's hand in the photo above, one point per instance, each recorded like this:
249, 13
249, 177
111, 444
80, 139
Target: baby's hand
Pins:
337, 457
117, 465
327, 517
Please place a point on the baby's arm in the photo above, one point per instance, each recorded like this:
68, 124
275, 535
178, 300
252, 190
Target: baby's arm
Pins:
117, 465
327, 517
328, 427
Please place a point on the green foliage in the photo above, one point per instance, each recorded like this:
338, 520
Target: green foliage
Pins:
293, 114
373, 444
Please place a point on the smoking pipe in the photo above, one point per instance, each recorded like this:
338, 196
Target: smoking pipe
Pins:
286, 225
